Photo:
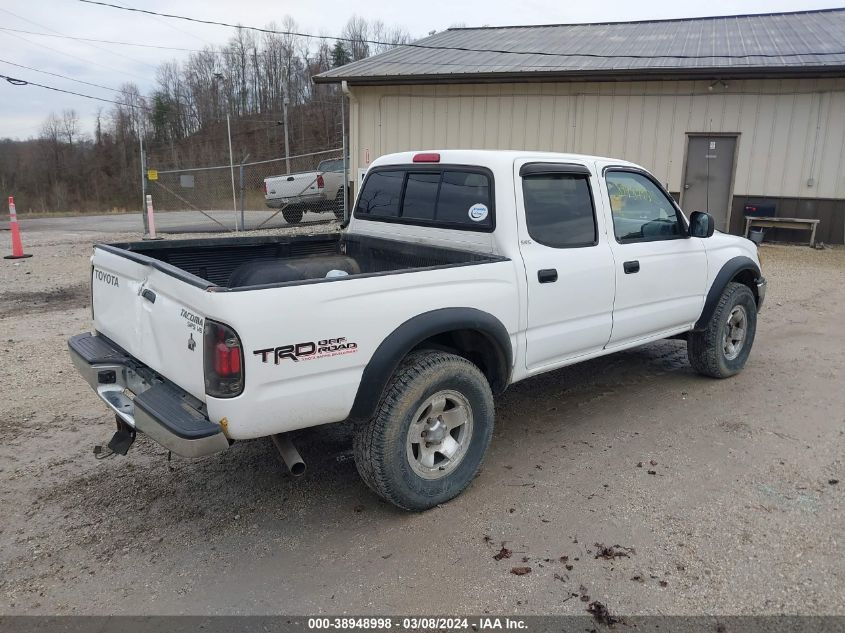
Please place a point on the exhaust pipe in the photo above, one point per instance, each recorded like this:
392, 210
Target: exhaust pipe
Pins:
290, 456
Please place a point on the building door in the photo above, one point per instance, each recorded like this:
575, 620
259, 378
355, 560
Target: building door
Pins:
708, 177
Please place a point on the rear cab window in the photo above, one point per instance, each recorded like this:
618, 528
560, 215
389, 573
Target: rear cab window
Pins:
443, 196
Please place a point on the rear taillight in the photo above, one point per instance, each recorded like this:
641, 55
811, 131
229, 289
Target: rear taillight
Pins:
265, 187
223, 356
320, 182
227, 360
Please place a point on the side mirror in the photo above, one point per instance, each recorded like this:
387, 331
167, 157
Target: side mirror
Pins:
701, 224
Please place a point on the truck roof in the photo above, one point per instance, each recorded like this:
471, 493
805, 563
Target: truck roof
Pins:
487, 157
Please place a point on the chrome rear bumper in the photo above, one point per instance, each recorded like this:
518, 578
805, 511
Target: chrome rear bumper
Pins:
145, 401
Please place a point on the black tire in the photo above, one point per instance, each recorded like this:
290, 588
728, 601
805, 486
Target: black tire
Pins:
292, 216
706, 349
381, 443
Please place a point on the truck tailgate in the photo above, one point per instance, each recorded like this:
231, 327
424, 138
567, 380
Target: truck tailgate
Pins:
293, 186
148, 314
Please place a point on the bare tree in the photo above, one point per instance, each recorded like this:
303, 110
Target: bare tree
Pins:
69, 126
356, 33
51, 130
388, 37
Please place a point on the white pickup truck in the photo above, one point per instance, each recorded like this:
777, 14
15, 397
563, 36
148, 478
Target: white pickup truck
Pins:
460, 273
318, 191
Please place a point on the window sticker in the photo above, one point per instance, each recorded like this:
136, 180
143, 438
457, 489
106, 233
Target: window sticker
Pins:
478, 212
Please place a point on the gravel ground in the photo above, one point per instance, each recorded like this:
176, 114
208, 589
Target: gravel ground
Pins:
718, 497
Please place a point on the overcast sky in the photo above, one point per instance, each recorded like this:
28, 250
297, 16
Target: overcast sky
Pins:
23, 109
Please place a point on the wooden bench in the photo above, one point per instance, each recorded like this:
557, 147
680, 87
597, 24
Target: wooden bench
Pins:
803, 224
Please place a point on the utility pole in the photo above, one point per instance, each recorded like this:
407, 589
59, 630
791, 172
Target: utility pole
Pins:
219, 79
285, 122
143, 182
343, 149
232, 169
241, 186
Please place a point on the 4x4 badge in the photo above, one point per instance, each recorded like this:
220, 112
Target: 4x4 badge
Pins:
191, 342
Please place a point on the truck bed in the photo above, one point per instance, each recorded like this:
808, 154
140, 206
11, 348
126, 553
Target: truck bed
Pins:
244, 263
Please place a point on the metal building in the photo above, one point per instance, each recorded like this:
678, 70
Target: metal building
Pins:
728, 112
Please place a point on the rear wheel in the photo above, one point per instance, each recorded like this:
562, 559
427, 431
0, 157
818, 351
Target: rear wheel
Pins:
427, 439
722, 348
292, 215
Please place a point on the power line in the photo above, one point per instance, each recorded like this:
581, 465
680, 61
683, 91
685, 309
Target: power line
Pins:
46, 72
169, 97
82, 59
23, 82
15, 81
91, 39
170, 26
100, 48
234, 26
465, 49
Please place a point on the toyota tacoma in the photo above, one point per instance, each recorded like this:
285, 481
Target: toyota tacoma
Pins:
459, 273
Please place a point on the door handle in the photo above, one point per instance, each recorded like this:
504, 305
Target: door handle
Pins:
547, 275
631, 267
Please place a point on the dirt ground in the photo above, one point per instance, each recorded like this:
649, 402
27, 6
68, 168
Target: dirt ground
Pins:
721, 497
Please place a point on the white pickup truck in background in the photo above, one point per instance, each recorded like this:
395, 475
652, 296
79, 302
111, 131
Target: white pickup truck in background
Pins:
319, 191
460, 273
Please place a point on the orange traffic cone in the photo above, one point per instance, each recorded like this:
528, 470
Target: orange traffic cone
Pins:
17, 245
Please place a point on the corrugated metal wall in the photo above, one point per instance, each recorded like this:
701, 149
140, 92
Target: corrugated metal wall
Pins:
791, 132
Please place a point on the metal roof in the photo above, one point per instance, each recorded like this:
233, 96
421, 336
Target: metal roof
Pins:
772, 44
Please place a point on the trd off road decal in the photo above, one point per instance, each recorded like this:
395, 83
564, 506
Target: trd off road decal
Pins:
309, 350
106, 278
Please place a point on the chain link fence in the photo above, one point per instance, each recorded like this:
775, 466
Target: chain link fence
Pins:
285, 192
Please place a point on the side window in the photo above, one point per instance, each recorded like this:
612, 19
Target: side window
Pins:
559, 210
381, 195
641, 211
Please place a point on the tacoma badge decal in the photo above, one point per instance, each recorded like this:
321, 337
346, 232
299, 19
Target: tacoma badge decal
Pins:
194, 322
308, 350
